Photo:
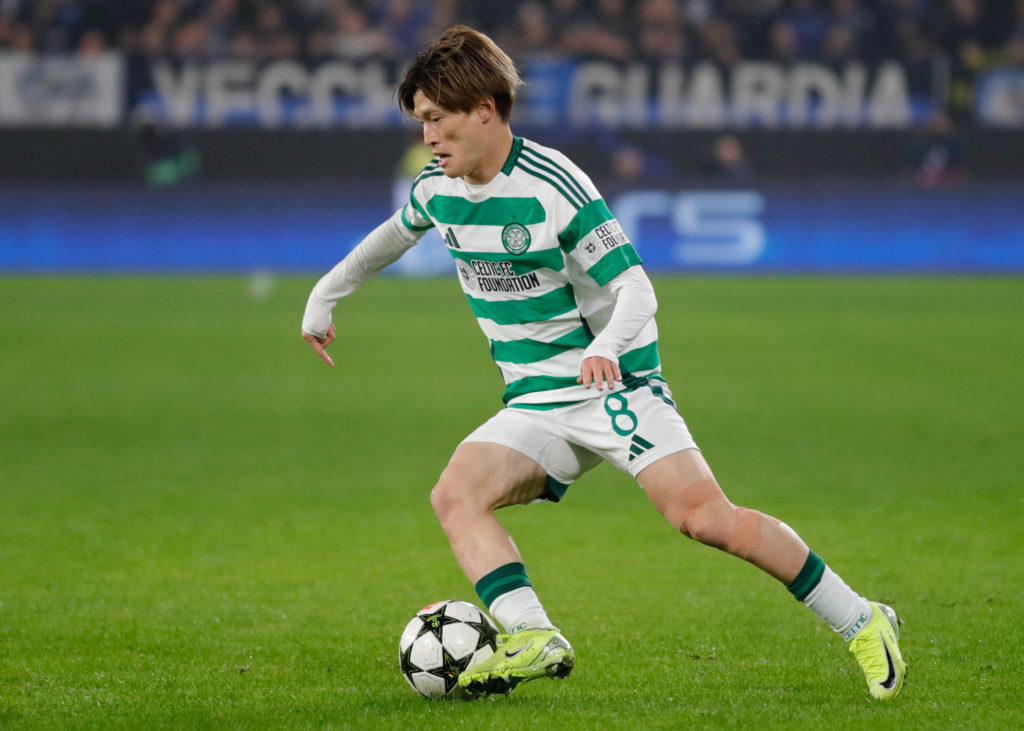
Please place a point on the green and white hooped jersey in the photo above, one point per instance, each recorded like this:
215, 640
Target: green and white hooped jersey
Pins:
534, 249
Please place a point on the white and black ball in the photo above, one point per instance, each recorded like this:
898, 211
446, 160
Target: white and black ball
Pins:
441, 641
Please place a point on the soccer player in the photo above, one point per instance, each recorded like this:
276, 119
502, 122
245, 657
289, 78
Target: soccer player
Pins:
559, 291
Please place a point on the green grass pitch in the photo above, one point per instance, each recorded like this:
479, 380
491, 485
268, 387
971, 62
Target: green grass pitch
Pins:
201, 526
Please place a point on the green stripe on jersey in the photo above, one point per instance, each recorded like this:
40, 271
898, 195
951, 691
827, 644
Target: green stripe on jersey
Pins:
427, 173
645, 358
430, 167
412, 227
586, 220
418, 207
547, 406
519, 312
489, 212
530, 384
521, 264
535, 160
619, 259
573, 201
531, 351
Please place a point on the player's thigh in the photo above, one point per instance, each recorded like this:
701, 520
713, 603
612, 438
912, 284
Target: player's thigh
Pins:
492, 476
552, 463
680, 483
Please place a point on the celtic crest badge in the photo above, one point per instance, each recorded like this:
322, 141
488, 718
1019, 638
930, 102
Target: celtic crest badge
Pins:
516, 238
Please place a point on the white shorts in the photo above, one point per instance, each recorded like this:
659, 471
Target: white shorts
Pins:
631, 429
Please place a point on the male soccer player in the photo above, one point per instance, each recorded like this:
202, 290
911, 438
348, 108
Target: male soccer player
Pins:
558, 289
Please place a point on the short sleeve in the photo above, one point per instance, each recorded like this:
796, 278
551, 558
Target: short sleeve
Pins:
414, 217
414, 214
595, 239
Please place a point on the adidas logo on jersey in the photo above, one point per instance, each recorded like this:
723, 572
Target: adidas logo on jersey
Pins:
638, 446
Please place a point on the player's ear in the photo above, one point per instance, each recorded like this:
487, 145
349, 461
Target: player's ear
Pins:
487, 109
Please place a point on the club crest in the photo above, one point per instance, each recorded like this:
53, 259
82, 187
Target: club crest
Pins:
515, 237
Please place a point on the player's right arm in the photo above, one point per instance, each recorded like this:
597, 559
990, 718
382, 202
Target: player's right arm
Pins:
383, 246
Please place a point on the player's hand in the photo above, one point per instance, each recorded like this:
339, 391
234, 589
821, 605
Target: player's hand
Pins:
319, 345
598, 370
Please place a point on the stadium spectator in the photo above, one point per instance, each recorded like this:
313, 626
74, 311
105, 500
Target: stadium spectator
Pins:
973, 35
401, 21
604, 33
531, 35
838, 47
728, 164
661, 34
218, 20
936, 154
563, 15
783, 43
808, 24
354, 38
852, 31
717, 41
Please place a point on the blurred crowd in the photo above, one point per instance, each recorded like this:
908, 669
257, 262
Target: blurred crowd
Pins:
972, 33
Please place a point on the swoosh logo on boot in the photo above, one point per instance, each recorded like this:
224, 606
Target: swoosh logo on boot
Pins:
889, 682
513, 654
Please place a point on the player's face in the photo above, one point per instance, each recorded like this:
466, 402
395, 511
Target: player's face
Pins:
458, 140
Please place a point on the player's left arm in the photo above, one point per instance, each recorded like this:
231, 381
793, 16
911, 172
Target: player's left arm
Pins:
635, 305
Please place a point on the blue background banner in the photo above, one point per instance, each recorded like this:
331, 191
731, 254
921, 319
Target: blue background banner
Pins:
309, 226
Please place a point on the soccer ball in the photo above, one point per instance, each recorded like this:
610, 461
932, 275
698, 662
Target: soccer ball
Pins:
441, 641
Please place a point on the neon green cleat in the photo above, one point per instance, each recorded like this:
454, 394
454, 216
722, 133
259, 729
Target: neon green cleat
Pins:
526, 655
877, 650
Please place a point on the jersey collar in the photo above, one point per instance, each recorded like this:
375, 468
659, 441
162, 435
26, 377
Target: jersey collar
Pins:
513, 155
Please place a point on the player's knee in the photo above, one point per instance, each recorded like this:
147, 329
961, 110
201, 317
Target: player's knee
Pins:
451, 496
732, 529
702, 512
712, 523
443, 499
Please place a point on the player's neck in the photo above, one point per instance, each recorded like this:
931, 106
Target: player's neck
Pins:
498, 150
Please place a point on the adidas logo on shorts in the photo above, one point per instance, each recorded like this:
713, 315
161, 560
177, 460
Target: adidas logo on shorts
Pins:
638, 446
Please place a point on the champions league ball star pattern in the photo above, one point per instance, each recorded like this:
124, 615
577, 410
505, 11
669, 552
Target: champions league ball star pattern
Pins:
440, 642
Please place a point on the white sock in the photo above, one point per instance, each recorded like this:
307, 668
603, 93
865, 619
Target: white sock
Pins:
520, 609
843, 609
